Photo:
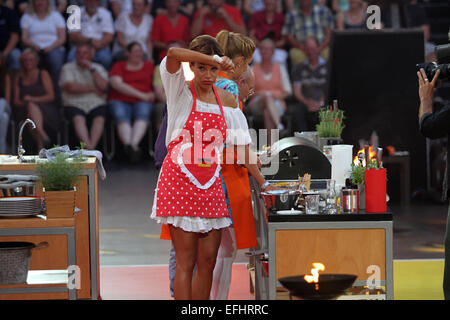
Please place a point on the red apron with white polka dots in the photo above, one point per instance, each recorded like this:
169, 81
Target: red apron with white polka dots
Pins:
190, 183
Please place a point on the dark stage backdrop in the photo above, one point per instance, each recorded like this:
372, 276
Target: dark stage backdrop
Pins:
373, 76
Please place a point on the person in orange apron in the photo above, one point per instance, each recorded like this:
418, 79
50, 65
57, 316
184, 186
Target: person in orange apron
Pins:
242, 234
189, 196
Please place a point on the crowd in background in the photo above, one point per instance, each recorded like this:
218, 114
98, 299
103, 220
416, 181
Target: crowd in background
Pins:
108, 69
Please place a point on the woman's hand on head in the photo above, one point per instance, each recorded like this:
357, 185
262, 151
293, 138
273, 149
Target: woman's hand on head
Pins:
226, 64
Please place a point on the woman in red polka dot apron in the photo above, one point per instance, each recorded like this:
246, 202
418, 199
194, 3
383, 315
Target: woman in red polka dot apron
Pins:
189, 195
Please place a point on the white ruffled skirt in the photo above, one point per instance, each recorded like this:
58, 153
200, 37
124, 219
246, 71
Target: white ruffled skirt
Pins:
191, 224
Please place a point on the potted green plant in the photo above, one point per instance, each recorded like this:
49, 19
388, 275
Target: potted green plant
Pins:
329, 129
59, 178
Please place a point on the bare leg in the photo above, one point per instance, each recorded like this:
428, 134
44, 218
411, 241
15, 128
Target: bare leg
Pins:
124, 129
39, 134
185, 244
208, 246
97, 127
79, 123
138, 132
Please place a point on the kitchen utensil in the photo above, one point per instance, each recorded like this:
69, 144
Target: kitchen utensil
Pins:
350, 200
15, 260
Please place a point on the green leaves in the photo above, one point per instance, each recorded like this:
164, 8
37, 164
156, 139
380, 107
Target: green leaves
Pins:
59, 174
331, 123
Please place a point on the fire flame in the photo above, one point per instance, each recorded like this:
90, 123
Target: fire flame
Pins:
372, 155
315, 273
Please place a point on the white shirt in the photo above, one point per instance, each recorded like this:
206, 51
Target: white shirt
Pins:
132, 32
94, 26
71, 72
43, 32
179, 107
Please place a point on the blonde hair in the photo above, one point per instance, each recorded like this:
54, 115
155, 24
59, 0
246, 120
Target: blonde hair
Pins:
235, 44
31, 10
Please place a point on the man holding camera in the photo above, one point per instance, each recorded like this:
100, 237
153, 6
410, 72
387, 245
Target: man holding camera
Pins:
436, 125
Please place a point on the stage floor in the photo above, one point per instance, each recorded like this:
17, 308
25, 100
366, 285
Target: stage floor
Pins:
134, 260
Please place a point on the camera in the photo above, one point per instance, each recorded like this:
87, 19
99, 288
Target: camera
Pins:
442, 53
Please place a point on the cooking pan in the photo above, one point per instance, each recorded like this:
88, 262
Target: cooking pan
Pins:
328, 287
15, 260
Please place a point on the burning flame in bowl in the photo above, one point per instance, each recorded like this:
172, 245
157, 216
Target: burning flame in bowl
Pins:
314, 278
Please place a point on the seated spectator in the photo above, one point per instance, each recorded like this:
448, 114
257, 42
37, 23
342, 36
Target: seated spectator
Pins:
272, 87
291, 4
126, 6
309, 79
354, 18
131, 98
308, 21
134, 26
169, 27
84, 84
216, 16
34, 98
5, 100
340, 5
187, 7
9, 38
44, 30
268, 24
98, 29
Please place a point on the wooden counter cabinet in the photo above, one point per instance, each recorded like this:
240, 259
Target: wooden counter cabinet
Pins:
85, 224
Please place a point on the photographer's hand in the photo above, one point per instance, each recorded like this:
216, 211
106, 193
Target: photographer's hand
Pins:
426, 91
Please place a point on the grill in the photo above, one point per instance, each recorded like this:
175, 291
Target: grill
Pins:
296, 156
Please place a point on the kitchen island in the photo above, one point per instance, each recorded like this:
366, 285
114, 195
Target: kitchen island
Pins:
73, 242
358, 243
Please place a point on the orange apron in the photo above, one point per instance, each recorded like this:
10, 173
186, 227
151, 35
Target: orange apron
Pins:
238, 191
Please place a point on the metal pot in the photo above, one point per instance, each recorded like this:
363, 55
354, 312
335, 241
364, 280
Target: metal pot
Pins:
350, 200
15, 260
278, 200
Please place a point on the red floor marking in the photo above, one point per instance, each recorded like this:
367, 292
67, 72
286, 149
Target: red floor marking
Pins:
152, 283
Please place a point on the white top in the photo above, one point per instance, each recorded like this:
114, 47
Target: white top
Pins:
94, 26
125, 5
43, 32
71, 72
179, 107
132, 32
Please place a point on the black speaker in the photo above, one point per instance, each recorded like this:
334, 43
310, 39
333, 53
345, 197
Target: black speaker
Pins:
372, 74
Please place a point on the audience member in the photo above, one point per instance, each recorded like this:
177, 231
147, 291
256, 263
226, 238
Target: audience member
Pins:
98, 29
340, 5
84, 85
354, 18
216, 16
34, 98
308, 21
44, 30
268, 23
119, 7
133, 26
5, 101
272, 87
131, 97
187, 7
9, 38
169, 27
309, 78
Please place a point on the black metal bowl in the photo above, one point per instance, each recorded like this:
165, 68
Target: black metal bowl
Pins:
330, 286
